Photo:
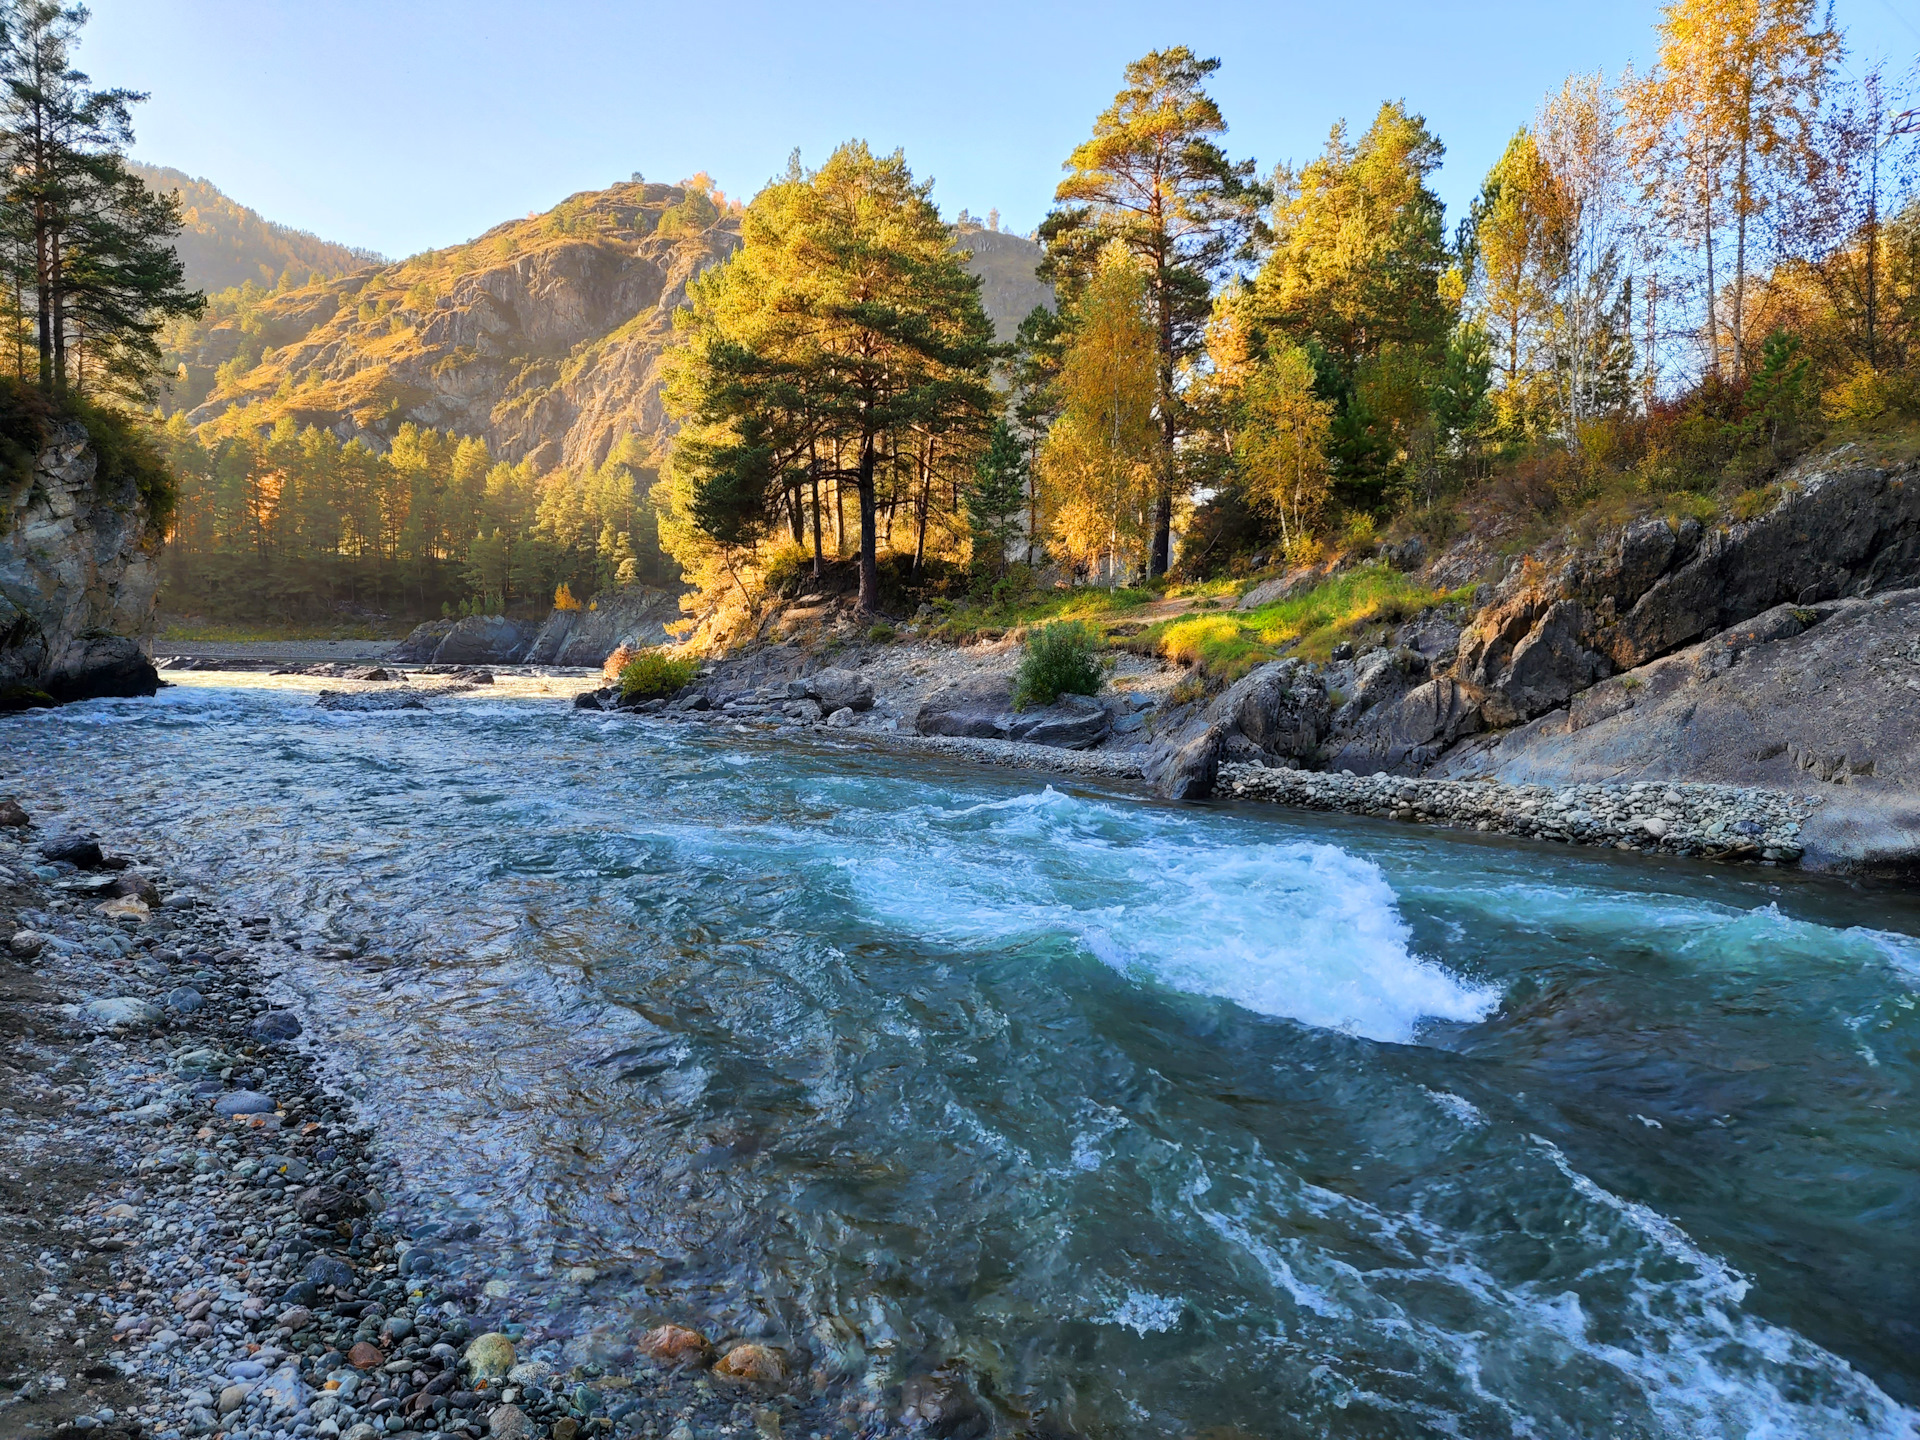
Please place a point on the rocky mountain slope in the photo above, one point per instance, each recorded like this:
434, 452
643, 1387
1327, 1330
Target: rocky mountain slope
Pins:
78, 577
543, 336
224, 244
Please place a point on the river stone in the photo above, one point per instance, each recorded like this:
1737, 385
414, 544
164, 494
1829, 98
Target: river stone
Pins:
185, 999
297, 1317
329, 1270
276, 1025
490, 1356
26, 944
134, 887
12, 817
755, 1364
842, 718
840, 689
284, 1389
510, 1422
75, 850
244, 1102
365, 1356
673, 1344
361, 1431
119, 1011
232, 1398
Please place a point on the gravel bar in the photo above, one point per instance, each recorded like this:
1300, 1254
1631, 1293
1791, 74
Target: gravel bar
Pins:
195, 1233
1716, 822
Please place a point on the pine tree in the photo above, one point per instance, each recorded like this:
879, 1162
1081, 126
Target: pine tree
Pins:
83, 234
996, 497
840, 335
1152, 178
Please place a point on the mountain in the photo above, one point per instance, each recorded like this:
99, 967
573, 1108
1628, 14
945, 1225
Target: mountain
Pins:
1005, 264
543, 336
224, 244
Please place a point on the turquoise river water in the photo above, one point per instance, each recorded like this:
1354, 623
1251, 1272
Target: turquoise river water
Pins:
1161, 1121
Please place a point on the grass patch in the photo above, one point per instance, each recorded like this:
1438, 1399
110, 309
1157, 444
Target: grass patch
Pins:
1010, 609
1226, 646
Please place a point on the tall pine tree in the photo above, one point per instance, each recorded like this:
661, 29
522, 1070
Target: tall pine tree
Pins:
1153, 178
83, 234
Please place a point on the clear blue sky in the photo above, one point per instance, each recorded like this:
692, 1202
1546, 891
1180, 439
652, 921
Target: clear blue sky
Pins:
410, 124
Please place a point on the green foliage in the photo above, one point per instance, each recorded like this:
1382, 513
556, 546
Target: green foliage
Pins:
1060, 659
882, 634
996, 498
654, 675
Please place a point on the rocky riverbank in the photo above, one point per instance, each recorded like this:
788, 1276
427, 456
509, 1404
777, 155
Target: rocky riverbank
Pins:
1716, 822
193, 1222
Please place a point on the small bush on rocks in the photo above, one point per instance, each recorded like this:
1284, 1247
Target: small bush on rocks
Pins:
1060, 659
653, 675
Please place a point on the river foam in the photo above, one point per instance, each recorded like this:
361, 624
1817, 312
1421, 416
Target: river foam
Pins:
1300, 930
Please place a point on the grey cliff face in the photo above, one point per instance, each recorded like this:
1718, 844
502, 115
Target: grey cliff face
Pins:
78, 577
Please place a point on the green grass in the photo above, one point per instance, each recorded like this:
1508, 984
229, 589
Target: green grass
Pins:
1228, 644
1094, 605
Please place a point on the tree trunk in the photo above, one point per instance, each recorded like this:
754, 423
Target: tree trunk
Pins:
59, 303
43, 297
869, 552
1160, 556
819, 560
925, 503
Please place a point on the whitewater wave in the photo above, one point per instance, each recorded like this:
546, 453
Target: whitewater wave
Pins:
1301, 930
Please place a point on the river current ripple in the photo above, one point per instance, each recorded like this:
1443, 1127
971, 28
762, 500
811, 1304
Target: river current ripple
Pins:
1159, 1121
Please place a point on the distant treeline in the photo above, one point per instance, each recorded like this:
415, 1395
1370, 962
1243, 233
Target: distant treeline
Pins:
296, 525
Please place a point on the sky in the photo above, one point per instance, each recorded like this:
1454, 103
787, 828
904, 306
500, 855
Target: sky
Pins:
406, 125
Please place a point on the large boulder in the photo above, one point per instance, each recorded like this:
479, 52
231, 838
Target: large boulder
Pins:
1073, 722
1408, 733
99, 667
484, 640
983, 710
839, 690
971, 711
421, 642
1189, 767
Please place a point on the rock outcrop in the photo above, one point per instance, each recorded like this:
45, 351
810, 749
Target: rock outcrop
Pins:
77, 579
1839, 526
476, 640
634, 615
1821, 701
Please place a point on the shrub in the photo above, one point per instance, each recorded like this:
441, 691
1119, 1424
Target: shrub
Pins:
563, 598
1302, 550
654, 675
788, 568
1060, 659
881, 633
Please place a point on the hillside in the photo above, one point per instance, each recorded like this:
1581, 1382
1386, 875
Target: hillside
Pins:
543, 336
1005, 264
225, 244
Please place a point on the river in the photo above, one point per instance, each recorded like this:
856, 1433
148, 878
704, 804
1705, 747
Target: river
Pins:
1160, 1121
